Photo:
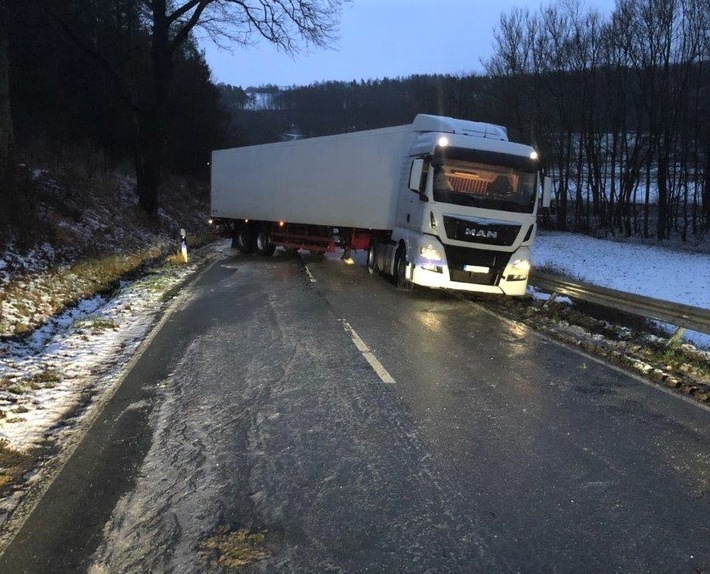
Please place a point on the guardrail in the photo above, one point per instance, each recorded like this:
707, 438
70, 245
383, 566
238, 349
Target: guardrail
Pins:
682, 316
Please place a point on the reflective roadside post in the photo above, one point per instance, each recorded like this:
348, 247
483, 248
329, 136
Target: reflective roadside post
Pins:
183, 245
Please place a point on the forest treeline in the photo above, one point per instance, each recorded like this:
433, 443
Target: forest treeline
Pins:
616, 104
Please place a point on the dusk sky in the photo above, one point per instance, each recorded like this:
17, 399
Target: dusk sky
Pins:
382, 38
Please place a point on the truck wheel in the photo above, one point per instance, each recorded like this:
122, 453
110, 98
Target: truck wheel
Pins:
245, 239
263, 242
372, 257
400, 269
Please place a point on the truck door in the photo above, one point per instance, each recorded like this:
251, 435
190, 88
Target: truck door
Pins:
414, 199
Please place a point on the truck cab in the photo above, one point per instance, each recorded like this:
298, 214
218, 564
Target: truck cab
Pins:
466, 211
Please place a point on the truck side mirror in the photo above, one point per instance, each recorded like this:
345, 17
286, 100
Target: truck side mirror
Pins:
546, 191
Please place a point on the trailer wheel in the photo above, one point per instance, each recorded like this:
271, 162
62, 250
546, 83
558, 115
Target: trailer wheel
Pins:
245, 238
263, 242
372, 257
400, 269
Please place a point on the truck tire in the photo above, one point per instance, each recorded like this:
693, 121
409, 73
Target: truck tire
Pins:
245, 238
263, 242
400, 269
372, 267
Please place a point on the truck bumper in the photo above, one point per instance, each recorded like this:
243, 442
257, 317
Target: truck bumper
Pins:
512, 281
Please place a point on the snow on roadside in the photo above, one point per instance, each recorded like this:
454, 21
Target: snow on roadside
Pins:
82, 350
647, 270
38, 259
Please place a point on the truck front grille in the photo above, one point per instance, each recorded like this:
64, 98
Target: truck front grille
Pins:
459, 257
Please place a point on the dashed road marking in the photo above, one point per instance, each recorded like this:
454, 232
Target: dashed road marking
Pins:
385, 377
310, 275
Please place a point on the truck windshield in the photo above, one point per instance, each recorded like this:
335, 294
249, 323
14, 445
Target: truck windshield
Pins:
487, 185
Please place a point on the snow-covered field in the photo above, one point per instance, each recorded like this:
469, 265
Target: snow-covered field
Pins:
662, 273
86, 348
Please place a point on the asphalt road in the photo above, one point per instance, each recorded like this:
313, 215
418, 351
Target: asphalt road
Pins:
365, 429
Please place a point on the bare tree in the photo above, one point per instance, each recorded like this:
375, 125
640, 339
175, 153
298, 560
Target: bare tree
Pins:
585, 56
555, 46
511, 63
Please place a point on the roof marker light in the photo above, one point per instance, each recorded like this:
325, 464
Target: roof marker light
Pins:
533, 155
443, 141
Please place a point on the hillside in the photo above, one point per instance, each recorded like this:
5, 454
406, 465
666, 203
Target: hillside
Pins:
89, 233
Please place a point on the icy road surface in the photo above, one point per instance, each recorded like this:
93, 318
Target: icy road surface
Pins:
270, 419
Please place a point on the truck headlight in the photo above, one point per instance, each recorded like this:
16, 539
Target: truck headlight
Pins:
430, 252
521, 266
519, 270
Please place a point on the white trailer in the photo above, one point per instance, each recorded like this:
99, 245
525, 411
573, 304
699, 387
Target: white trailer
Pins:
349, 180
442, 203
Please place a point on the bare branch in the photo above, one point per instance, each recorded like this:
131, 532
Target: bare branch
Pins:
288, 24
184, 32
184, 9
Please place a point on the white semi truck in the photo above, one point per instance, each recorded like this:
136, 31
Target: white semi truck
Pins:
442, 203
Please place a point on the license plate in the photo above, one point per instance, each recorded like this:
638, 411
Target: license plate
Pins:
476, 269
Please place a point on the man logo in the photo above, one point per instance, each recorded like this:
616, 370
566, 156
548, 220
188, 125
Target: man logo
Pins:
482, 233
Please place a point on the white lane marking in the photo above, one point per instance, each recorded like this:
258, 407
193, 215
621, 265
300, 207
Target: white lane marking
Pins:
310, 275
385, 377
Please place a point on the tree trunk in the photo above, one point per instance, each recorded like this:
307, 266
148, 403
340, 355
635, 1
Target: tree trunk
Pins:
705, 203
151, 123
149, 151
662, 227
8, 184
7, 139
